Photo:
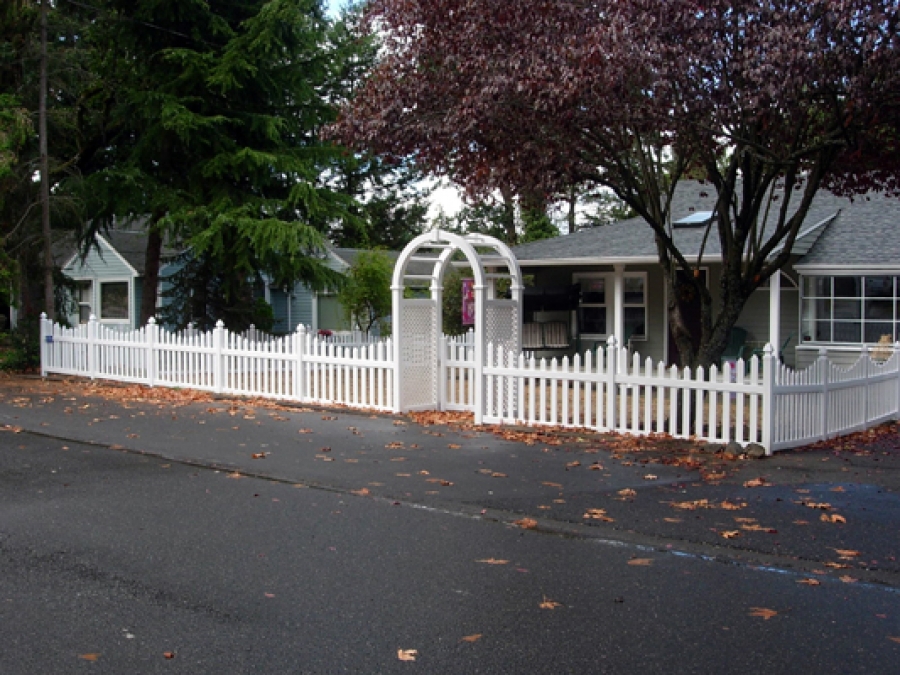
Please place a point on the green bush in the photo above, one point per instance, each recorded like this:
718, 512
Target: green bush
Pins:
20, 349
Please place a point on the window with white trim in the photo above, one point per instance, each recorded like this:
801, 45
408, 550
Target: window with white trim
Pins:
83, 296
635, 305
114, 300
852, 309
592, 306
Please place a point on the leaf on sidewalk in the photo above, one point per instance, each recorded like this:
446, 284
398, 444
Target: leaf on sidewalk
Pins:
755, 482
730, 534
526, 523
471, 638
407, 654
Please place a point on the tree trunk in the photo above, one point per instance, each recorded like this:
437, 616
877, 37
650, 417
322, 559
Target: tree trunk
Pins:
150, 283
46, 233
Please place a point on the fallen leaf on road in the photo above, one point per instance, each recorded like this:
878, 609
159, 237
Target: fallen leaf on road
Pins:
549, 604
497, 474
640, 562
234, 475
627, 492
838, 489
836, 565
672, 520
756, 482
598, 514
454, 446
361, 492
304, 431
763, 612
730, 534
650, 476
572, 465
848, 579
554, 485
822, 506
89, 657
846, 554
259, 455
596, 466
394, 445
526, 523
471, 638
833, 518
893, 639
407, 654
810, 582
492, 561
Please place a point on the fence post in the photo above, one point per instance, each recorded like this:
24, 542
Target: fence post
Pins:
768, 398
299, 370
218, 357
45, 344
612, 360
867, 362
92, 347
152, 329
897, 366
822, 365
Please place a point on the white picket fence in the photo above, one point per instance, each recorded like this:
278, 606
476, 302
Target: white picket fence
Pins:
760, 401
300, 366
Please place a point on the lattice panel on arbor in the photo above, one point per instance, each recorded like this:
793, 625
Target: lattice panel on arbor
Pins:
501, 327
418, 354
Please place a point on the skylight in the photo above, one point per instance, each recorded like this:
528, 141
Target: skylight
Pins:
697, 219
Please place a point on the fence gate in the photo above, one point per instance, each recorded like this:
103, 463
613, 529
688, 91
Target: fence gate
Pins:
417, 288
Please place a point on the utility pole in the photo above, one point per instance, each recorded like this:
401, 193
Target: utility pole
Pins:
45, 170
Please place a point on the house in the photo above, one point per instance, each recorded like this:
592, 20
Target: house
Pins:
108, 284
317, 310
840, 291
108, 279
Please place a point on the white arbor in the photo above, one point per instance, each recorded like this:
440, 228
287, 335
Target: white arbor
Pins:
417, 289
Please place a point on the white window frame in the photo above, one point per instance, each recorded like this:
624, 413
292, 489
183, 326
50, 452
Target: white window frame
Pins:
626, 305
809, 317
79, 284
607, 304
99, 301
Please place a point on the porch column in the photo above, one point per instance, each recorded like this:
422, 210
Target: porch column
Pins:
775, 313
619, 303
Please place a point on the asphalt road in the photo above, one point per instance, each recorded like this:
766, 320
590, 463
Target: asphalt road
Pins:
136, 530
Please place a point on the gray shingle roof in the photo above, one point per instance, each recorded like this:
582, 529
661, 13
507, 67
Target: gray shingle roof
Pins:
865, 232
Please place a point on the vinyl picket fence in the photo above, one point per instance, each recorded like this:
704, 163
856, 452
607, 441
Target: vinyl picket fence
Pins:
760, 401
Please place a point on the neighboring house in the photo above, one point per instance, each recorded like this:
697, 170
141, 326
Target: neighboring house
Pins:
317, 310
841, 289
108, 280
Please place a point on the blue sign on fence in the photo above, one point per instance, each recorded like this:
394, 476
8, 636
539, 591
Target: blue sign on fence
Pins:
48, 339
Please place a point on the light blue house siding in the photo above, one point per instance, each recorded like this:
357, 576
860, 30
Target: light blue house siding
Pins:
107, 286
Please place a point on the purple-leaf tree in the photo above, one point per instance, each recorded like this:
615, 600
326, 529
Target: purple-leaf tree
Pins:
767, 100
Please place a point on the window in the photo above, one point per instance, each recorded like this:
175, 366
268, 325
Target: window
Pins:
850, 308
114, 300
592, 306
595, 315
635, 305
83, 292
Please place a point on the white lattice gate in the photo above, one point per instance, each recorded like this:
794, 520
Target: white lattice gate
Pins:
417, 316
